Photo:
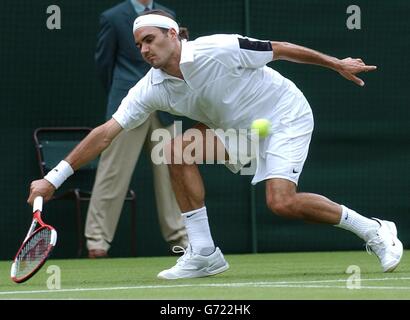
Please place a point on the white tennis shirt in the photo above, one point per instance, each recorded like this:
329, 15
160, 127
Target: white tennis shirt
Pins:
226, 85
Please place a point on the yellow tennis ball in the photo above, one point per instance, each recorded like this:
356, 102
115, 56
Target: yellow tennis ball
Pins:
263, 126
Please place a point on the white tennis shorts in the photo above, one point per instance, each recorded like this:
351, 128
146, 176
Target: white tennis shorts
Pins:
283, 153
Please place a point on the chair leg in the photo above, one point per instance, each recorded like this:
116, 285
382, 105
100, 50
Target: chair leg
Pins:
79, 223
133, 224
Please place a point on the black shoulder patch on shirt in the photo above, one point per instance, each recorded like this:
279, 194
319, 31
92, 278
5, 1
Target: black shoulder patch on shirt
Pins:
254, 45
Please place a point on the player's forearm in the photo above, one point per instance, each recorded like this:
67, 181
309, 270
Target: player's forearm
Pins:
88, 149
299, 54
92, 145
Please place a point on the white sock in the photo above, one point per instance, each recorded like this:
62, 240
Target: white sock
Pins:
199, 234
361, 226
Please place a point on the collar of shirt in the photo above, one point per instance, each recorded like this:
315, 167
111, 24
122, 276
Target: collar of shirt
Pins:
139, 7
187, 56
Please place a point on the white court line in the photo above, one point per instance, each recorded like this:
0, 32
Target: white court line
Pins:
276, 284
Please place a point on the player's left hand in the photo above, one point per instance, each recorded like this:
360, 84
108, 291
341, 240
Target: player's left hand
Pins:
349, 67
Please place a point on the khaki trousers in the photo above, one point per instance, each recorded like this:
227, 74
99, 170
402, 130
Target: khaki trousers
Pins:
113, 177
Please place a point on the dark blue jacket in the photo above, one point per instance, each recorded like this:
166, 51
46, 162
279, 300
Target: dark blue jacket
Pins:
119, 62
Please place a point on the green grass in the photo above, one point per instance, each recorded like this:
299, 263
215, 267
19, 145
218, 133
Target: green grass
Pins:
318, 275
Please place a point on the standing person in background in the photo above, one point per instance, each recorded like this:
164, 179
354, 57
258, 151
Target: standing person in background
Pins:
120, 66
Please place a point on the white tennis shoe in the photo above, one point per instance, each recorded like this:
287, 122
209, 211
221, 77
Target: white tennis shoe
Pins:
192, 265
385, 244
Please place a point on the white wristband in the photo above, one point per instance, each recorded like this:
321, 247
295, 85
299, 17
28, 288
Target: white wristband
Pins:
59, 174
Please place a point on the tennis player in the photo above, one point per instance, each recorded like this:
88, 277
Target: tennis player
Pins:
223, 82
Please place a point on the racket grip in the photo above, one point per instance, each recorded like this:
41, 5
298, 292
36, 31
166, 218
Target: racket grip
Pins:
38, 204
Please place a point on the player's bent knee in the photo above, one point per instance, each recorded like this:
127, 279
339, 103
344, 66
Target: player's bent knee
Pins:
180, 152
174, 151
281, 205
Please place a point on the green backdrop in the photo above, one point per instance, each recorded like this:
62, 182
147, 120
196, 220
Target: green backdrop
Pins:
360, 154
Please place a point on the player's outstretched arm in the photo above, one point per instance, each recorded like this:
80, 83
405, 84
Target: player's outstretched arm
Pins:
88, 149
347, 67
93, 144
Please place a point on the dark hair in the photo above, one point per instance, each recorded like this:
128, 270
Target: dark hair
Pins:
183, 32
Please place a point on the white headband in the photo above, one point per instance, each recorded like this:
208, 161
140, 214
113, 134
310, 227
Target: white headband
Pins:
155, 20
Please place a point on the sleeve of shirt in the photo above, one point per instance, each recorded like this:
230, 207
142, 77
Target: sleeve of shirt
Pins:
136, 107
254, 53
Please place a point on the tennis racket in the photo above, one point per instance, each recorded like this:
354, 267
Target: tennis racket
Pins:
36, 247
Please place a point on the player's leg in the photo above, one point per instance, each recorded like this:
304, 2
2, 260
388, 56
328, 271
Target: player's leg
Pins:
282, 198
201, 258
111, 184
281, 167
381, 236
169, 215
188, 185
185, 177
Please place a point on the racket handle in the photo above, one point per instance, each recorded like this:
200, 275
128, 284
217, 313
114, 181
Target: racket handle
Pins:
38, 204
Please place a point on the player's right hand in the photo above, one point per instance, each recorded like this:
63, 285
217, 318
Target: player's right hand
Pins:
42, 188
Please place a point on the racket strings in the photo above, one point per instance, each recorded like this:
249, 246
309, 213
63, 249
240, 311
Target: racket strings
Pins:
35, 250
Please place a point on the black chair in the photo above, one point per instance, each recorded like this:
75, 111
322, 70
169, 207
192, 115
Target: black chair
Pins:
52, 145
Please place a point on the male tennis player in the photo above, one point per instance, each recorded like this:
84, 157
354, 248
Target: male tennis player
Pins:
223, 82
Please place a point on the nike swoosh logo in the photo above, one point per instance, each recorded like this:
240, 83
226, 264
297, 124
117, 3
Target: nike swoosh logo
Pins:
295, 171
190, 215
